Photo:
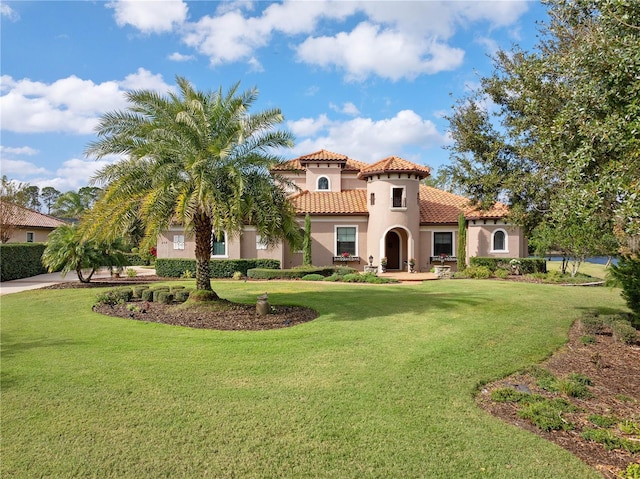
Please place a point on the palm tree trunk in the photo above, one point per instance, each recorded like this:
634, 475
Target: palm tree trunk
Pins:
203, 231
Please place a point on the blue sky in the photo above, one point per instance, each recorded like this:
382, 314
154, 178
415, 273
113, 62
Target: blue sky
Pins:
366, 79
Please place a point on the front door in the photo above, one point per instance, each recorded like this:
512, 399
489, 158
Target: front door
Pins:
392, 250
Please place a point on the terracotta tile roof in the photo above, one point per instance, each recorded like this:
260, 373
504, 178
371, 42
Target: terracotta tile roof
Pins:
437, 206
30, 218
394, 164
347, 202
498, 210
322, 156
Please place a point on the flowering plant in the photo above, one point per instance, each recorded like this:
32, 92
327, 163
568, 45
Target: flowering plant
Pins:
383, 261
346, 255
443, 256
412, 261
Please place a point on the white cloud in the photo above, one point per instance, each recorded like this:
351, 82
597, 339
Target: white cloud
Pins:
386, 53
179, 57
21, 168
22, 150
346, 108
9, 13
391, 136
150, 16
70, 105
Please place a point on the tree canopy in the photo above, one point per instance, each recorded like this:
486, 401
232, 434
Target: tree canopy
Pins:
198, 159
555, 132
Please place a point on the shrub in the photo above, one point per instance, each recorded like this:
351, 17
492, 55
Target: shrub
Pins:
478, 272
294, 273
624, 332
173, 289
21, 260
312, 277
459, 274
588, 339
527, 265
547, 415
603, 421
109, 297
219, 268
181, 295
137, 291
131, 273
333, 278
631, 472
164, 297
237, 275
147, 295
125, 294
574, 389
156, 293
507, 395
627, 274
592, 324
352, 278
134, 259
610, 440
501, 273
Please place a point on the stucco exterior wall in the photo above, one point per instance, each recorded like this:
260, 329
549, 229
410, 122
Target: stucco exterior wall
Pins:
40, 235
480, 240
332, 171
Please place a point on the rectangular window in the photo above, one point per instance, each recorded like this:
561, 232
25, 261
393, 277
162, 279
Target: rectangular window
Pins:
219, 245
397, 198
259, 243
346, 240
372, 199
30, 236
178, 241
443, 243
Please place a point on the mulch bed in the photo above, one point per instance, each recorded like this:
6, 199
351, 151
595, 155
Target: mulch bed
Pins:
614, 369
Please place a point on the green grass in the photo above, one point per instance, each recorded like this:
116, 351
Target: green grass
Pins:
379, 386
592, 269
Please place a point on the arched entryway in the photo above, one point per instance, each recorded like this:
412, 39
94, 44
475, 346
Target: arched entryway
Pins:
392, 250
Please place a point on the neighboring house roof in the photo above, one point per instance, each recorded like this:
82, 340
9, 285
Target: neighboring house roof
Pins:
437, 206
26, 218
394, 164
498, 210
347, 202
322, 156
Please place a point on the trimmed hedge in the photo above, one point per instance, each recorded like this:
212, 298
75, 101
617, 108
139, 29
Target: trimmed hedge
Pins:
294, 273
219, 268
527, 265
134, 259
21, 260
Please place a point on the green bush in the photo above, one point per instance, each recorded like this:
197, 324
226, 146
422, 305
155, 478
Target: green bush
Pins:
134, 259
352, 278
125, 294
507, 395
181, 295
156, 293
478, 272
312, 277
293, 273
173, 289
334, 278
501, 273
147, 295
21, 260
109, 297
547, 415
631, 472
527, 265
603, 421
219, 268
592, 324
202, 295
610, 441
623, 331
164, 297
137, 291
627, 274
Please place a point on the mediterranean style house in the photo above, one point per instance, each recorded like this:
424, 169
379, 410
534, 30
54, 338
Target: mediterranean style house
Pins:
24, 225
364, 212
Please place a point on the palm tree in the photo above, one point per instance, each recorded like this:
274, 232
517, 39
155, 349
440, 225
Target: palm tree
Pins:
195, 158
67, 251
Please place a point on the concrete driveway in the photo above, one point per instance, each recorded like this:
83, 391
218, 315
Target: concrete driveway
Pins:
42, 280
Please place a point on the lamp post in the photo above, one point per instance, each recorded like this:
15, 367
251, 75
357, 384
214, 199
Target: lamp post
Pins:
370, 260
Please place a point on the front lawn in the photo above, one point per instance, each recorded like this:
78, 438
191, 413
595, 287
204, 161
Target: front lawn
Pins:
380, 385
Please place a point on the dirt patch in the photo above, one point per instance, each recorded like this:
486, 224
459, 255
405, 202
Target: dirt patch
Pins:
226, 316
613, 368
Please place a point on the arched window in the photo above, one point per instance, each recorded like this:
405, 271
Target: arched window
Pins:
323, 183
499, 242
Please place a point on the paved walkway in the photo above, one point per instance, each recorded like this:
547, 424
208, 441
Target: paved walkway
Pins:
42, 280
406, 277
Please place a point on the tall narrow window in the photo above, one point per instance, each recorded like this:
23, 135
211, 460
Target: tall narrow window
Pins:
259, 243
397, 198
30, 236
372, 199
219, 245
443, 243
323, 183
346, 240
499, 243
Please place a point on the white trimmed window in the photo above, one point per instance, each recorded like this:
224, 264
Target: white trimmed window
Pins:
178, 241
259, 243
323, 184
219, 245
346, 240
499, 241
30, 236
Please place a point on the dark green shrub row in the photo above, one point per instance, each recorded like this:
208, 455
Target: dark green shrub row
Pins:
21, 260
297, 273
220, 268
134, 259
527, 265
